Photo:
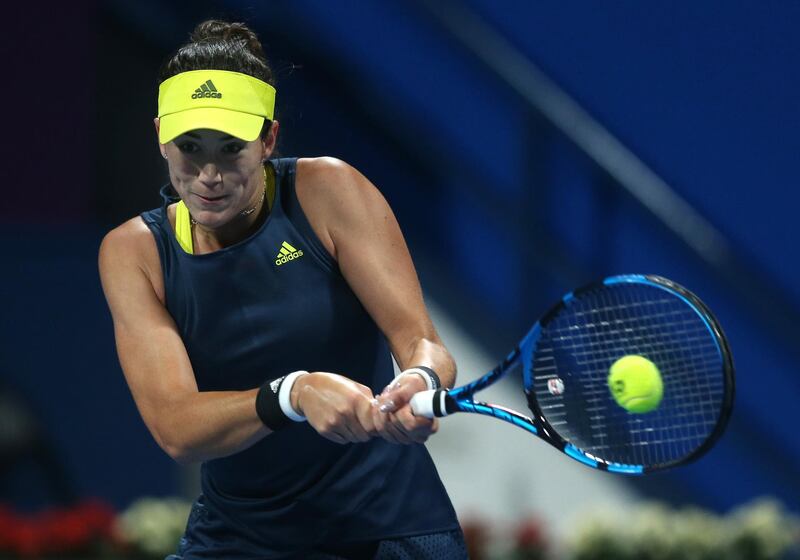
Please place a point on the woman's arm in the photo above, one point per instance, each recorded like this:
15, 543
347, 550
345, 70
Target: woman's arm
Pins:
188, 425
358, 227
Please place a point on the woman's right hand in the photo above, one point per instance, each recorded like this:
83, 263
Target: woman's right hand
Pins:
338, 408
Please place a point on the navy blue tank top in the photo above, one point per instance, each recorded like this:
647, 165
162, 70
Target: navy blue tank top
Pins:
273, 303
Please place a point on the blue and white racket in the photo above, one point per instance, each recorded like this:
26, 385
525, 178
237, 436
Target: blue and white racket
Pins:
565, 360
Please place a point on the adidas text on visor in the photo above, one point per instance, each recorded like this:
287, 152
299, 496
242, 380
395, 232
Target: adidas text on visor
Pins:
231, 102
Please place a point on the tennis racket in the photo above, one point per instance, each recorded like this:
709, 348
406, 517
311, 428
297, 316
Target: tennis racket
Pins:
565, 360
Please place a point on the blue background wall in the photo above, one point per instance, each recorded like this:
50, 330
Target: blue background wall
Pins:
704, 94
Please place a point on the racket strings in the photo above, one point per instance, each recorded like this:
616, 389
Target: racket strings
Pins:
581, 343
689, 425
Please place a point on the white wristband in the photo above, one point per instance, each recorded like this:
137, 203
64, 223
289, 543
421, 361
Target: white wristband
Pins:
431, 384
284, 396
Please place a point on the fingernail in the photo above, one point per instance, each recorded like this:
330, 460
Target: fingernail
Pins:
390, 387
387, 406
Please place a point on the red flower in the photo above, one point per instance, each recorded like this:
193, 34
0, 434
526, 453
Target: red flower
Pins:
476, 536
7, 521
529, 534
25, 538
56, 530
64, 530
100, 517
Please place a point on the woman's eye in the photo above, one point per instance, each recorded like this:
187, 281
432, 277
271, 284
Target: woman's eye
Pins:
233, 148
188, 147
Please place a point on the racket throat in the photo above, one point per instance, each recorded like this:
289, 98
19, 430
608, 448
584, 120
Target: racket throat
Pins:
443, 404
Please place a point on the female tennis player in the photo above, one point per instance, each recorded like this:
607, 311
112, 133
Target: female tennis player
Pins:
256, 313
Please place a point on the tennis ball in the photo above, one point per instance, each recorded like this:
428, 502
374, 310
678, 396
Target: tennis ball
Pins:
636, 384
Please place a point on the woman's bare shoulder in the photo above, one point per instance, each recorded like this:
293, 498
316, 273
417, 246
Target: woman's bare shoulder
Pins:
320, 172
131, 238
333, 183
335, 196
129, 246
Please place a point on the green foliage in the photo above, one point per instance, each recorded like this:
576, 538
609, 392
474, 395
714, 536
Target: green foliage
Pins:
759, 531
154, 526
762, 531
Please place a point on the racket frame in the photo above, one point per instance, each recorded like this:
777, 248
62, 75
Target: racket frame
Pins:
447, 402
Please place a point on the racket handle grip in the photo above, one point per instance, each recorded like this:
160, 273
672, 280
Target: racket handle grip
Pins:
429, 404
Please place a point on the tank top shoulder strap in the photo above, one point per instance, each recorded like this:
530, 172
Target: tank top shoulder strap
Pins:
286, 170
158, 223
156, 219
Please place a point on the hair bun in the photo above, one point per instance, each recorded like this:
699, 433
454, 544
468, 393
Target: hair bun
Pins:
217, 30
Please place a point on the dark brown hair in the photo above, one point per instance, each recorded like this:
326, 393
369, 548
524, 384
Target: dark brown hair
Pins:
221, 45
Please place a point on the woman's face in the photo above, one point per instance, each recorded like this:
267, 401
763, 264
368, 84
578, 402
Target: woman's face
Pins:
217, 175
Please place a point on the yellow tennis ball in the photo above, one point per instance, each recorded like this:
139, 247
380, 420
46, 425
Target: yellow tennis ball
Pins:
636, 384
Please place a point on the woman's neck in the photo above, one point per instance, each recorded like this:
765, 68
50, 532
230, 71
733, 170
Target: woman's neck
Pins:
240, 228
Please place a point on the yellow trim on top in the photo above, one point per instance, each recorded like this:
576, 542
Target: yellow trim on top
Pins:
183, 228
269, 179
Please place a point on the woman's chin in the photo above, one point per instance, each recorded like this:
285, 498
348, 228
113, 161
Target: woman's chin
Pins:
213, 220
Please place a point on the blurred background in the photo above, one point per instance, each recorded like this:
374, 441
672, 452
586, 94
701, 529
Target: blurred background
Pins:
525, 147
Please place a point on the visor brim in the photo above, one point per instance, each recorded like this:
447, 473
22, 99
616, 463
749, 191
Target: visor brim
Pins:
244, 126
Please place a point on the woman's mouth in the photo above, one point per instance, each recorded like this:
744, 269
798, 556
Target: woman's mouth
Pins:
210, 199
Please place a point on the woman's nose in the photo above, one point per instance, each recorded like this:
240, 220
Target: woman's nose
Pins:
209, 174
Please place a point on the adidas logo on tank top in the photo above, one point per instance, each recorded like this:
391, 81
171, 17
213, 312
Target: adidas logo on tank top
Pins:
287, 253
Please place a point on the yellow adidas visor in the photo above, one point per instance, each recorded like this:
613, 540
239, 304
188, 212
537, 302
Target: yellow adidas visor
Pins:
231, 102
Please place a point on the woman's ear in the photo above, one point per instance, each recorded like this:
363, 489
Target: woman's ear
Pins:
161, 147
269, 141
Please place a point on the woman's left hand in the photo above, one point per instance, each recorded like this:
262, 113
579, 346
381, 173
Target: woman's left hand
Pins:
392, 415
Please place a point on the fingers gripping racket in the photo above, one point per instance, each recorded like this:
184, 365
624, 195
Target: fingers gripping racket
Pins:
664, 333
